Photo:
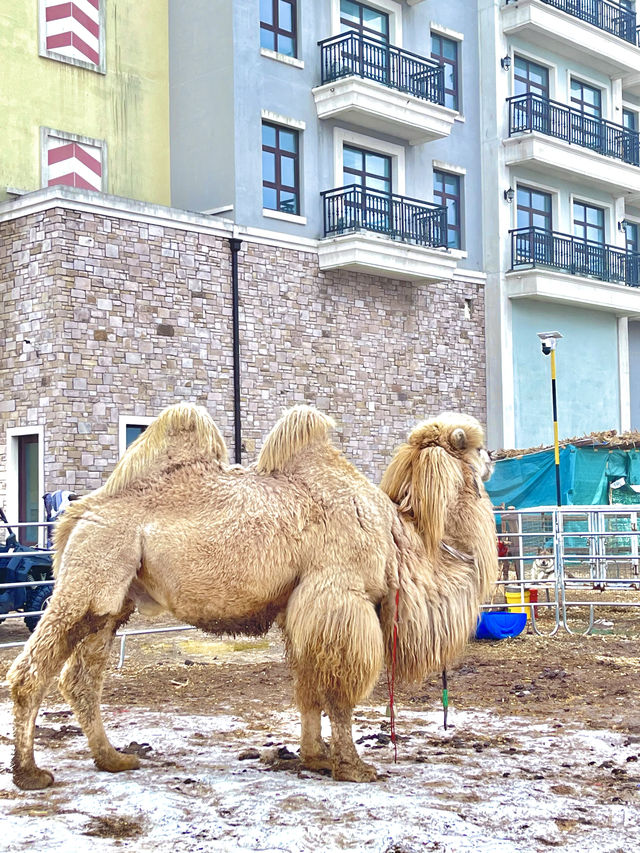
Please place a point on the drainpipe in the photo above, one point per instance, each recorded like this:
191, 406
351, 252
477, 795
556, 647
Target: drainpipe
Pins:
235, 245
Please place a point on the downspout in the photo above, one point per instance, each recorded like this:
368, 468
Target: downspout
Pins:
235, 245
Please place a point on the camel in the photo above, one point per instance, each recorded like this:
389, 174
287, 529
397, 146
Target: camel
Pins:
301, 537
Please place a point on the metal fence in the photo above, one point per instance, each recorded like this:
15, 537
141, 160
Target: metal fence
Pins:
530, 112
607, 15
575, 557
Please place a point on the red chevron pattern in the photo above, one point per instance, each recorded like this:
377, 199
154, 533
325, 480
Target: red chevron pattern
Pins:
74, 164
73, 29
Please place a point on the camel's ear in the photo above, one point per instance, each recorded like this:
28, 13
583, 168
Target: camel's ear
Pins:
459, 439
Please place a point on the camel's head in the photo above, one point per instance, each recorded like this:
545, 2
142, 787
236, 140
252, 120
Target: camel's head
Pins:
428, 474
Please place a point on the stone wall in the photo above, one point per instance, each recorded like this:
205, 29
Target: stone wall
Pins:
125, 317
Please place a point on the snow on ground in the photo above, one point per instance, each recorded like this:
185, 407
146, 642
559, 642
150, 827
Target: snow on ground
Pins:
487, 785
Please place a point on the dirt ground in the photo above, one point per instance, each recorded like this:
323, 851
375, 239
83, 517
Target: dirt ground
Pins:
557, 685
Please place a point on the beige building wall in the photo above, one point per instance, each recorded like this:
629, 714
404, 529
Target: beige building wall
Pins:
127, 106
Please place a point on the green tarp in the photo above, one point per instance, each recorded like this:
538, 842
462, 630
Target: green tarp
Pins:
586, 474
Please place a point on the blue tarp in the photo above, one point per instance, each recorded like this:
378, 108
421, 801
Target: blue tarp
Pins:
585, 476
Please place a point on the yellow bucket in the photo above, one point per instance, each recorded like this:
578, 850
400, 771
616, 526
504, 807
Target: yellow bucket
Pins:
515, 597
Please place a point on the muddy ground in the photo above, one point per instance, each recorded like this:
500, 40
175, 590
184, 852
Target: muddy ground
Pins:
543, 751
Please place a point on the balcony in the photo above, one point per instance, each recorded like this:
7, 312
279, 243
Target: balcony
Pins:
382, 88
556, 267
596, 32
385, 234
547, 136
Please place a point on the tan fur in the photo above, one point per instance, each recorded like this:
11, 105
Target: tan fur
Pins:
303, 539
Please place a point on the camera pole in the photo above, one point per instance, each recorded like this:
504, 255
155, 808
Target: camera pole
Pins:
548, 340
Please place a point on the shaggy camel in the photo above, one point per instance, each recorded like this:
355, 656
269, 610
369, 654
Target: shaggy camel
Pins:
302, 537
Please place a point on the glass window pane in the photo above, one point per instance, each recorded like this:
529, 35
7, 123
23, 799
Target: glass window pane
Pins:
349, 179
269, 198
451, 184
381, 184
449, 49
352, 158
377, 164
288, 140
288, 202
268, 166
285, 17
267, 39
266, 11
269, 135
288, 172
285, 45
349, 11
375, 20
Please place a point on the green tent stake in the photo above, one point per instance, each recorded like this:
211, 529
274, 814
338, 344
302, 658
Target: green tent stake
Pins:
445, 697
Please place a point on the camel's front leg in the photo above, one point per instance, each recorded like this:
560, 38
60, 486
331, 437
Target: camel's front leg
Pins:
81, 685
346, 764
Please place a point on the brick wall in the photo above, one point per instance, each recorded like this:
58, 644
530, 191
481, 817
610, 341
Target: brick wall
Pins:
125, 317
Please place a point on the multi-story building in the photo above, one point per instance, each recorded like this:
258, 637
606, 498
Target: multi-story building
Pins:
324, 242
560, 85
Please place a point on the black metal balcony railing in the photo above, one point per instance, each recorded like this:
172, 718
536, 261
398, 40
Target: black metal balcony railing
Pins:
533, 112
406, 219
536, 247
605, 14
352, 54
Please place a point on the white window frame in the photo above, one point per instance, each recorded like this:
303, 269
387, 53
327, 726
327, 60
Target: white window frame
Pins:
13, 433
100, 68
343, 137
46, 132
130, 420
390, 7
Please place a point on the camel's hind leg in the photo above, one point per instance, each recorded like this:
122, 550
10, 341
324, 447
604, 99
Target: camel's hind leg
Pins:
81, 685
335, 646
30, 676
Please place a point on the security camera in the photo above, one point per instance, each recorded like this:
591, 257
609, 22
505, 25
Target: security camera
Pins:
548, 341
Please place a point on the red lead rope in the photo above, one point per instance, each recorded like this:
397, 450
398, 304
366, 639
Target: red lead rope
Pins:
391, 682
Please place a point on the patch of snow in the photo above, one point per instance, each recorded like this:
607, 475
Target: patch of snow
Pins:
487, 785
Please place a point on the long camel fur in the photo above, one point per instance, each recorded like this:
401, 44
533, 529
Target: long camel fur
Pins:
302, 538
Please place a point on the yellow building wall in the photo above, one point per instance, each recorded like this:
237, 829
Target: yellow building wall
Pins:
128, 107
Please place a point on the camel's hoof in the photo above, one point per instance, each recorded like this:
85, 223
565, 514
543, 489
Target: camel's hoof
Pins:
116, 762
352, 772
32, 780
316, 762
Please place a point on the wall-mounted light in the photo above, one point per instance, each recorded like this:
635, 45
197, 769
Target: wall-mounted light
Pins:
506, 62
621, 224
509, 195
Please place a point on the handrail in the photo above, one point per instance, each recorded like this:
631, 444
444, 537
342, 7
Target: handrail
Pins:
603, 14
353, 54
538, 247
532, 112
406, 219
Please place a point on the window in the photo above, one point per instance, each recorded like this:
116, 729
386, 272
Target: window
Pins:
631, 236
133, 431
73, 33
278, 26
280, 169
630, 119
366, 169
28, 487
588, 222
445, 52
71, 160
586, 98
365, 20
533, 209
529, 77
129, 428
446, 191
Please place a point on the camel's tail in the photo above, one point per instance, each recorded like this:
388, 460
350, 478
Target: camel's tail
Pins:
180, 434
296, 429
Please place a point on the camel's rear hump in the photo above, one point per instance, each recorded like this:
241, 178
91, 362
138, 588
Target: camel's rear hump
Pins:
299, 427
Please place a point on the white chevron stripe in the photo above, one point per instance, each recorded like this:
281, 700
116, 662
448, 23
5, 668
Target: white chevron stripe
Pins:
84, 6
66, 25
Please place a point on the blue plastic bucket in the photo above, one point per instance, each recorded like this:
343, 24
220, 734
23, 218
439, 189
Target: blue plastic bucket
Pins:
499, 624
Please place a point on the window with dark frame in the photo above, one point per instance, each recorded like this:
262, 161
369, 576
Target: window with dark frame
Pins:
365, 20
530, 77
533, 208
588, 222
631, 236
445, 52
586, 98
280, 168
278, 29
629, 119
446, 192
133, 431
28, 487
